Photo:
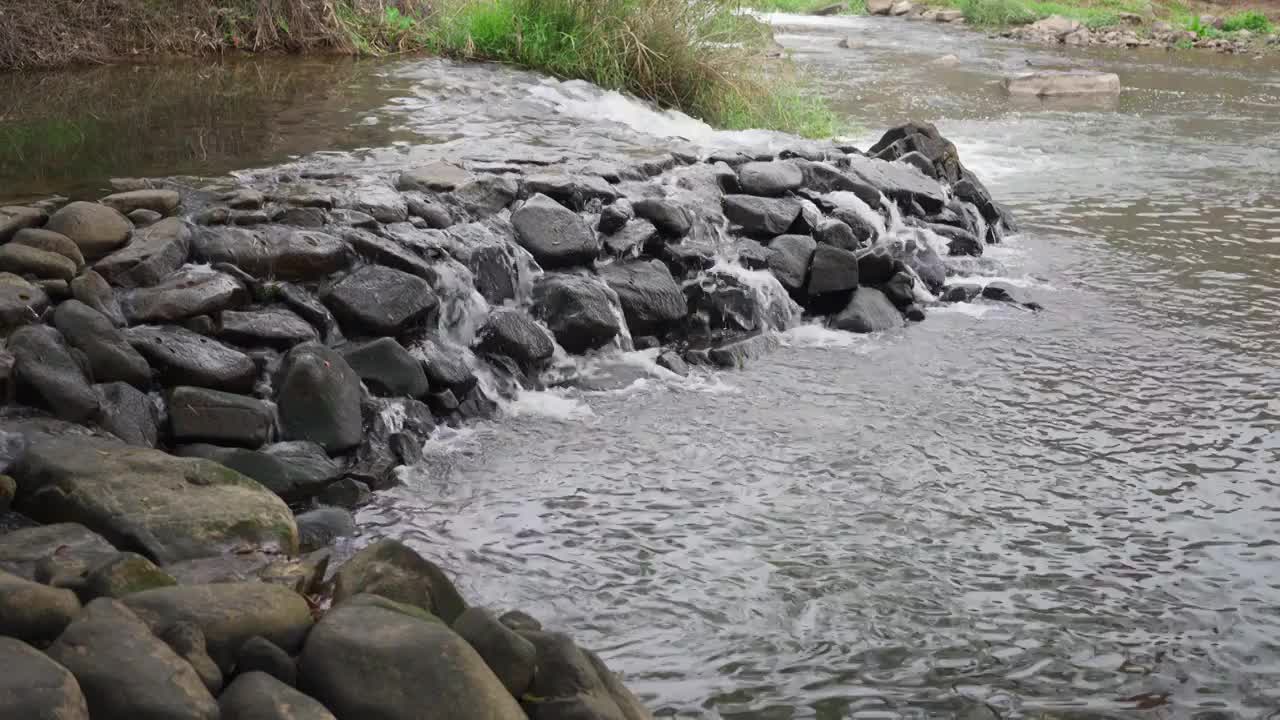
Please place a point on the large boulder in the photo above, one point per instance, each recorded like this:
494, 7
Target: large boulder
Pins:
95, 229
273, 327
869, 311
21, 303
346, 659
203, 415
378, 300
128, 413
651, 301
152, 255
274, 251
50, 241
555, 235
319, 398
769, 179
228, 614
572, 682
393, 570
127, 672
511, 657
184, 294
33, 612
512, 333
111, 357
924, 140
761, 217
164, 507
46, 373
579, 311
23, 550
788, 259
185, 358
832, 270
258, 696
386, 368
34, 262
155, 200
33, 687
296, 471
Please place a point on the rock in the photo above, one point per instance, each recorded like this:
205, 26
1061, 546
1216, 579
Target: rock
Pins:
789, 257
722, 305
631, 239
184, 294
751, 254
21, 303
184, 358
228, 614
273, 327
769, 179
160, 201
302, 302
435, 177
574, 191
347, 492
761, 217
876, 265
949, 16
45, 369
260, 655
346, 656
33, 687
671, 219
152, 255
33, 612
899, 182
22, 550
1054, 83
850, 208
127, 413
320, 527
110, 357
377, 300
879, 7
95, 229
651, 301
671, 360
50, 241
486, 195
258, 696
124, 574
554, 234
30, 261
510, 657
382, 251
900, 289
959, 241
8, 489
143, 500
446, 366
393, 570
578, 310
203, 415
387, 368
126, 672
902, 7
832, 9
736, 352
278, 252
319, 398
491, 257
836, 233
917, 254
436, 215
143, 218
92, 290
832, 270
1002, 291
1079, 37
868, 311
295, 471
519, 621
381, 202
571, 682
15, 218
615, 217
187, 640
514, 334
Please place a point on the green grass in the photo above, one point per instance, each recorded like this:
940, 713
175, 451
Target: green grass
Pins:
692, 55
1250, 20
1004, 13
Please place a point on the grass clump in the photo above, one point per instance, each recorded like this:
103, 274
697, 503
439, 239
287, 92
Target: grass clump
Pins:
997, 12
696, 56
1250, 20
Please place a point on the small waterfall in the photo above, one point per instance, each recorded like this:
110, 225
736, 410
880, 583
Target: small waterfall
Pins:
462, 308
778, 311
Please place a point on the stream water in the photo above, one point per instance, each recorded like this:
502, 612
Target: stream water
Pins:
1071, 513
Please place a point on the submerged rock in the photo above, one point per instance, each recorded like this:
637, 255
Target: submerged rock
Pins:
1054, 83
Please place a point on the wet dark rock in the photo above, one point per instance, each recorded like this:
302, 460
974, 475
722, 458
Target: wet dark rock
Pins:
21, 551
218, 215
321, 527
489, 252
182, 357
961, 292
277, 252
319, 398
187, 640
380, 202
1002, 291
387, 368
651, 301
555, 235
670, 218
751, 254
923, 140
836, 233
393, 570
295, 471
34, 687
394, 431
377, 300
272, 327
127, 672
14, 218
514, 334
344, 661
615, 217
855, 212
160, 201
96, 229
433, 177
959, 242
914, 312
33, 262
302, 217
971, 190
688, 258
184, 294
446, 366
876, 265
91, 289
228, 614
33, 612
108, 352
578, 310
916, 253
244, 199
203, 415
260, 655
631, 239
127, 413
869, 311
789, 257
164, 507
347, 492
258, 696
900, 289
572, 682
486, 195
671, 360
308, 307
574, 191
152, 255
21, 303
436, 215
769, 179
50, 241
443, 403
761, 217
46, 373
735, 353
125, 574
723, 306
899, 182
823, 177
511, 657
8, 489
832, 270
919, 162
380, 250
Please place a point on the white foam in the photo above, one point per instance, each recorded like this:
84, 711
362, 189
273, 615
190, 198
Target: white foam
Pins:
814, 335
556, 404
780, 311
975, 310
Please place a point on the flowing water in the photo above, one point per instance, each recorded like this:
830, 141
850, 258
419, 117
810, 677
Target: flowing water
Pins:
1071, 513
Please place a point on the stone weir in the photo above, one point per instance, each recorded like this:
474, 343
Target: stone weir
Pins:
202, 380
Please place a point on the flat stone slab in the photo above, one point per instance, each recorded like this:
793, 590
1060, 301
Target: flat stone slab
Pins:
1056, 83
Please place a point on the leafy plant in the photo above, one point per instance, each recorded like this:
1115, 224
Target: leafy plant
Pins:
1251, 20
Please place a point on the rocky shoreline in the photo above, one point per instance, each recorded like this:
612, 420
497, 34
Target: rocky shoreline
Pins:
204, 378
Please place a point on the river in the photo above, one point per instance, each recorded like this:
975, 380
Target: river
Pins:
1072, 513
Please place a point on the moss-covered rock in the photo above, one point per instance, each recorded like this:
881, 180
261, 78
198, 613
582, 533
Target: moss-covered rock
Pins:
393, 570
